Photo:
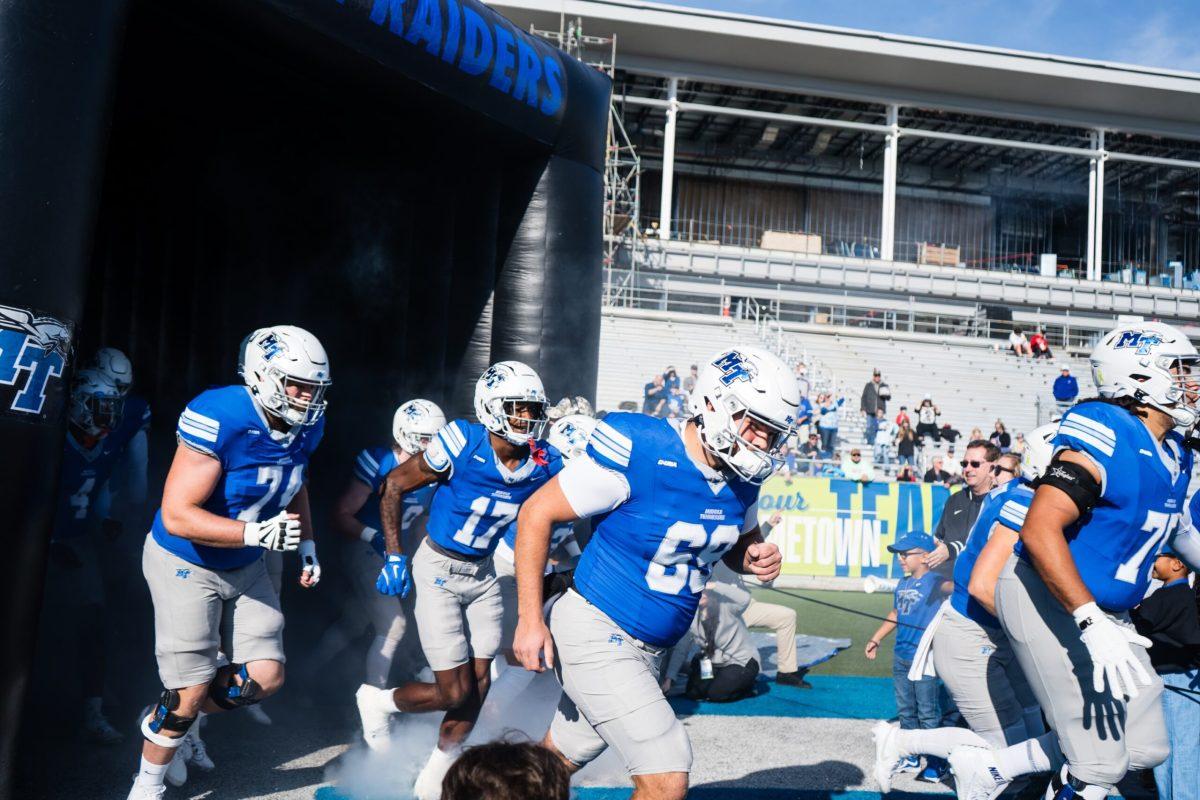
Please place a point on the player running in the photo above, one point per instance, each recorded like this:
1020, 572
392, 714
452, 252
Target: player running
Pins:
97, 442
484, 472
970, 652
668, 499
236, 489
414, 425
1109, 499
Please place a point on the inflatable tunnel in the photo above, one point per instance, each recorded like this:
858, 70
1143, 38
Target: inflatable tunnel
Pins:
417, 182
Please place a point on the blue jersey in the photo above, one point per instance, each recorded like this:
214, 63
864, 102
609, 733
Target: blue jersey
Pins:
1005, 505
84, 473
261, 470
1143, 484
916, 601
372, 467
135, 417
480, 497
650, 557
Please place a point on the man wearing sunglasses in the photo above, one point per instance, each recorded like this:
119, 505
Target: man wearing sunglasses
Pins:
962, 508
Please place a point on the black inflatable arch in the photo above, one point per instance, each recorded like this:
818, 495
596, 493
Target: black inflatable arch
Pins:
416, 181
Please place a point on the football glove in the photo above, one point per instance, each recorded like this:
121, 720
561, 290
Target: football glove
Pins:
308, 560
1113, 659
375, 539
278, 533
394, 578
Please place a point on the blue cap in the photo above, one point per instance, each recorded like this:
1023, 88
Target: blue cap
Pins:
913, 540
1168, 551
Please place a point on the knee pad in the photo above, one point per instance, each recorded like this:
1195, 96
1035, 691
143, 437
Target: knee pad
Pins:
1065, 786
164, 718
234, 694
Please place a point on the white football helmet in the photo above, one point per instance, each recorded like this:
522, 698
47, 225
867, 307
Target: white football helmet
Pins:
112, 362
499, 390
1038, 451
745, 382
570, 434
96, 403
415, 424
1136, 360
275, 359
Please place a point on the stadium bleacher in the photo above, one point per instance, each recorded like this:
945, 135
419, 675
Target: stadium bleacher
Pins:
972, 383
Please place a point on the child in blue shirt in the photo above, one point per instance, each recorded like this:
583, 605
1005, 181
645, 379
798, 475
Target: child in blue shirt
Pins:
918, 596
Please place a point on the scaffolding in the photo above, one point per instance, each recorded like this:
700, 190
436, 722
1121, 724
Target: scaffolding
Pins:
623, 242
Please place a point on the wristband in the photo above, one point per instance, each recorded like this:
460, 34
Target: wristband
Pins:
367, 534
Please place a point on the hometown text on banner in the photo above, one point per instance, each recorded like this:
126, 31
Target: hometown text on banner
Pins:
837, 527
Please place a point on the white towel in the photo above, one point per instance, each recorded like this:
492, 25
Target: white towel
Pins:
922, 665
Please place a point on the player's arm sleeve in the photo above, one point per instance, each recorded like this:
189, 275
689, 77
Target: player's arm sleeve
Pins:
446, 449
200, 428
591, 489
1012, 514
751, 520
1186, 539
366, 470
1091, 432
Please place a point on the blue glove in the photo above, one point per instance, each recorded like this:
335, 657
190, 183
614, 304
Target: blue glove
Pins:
377, 543
394, 578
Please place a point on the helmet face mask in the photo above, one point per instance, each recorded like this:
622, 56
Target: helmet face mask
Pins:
1153, 364
525, 419
96, 403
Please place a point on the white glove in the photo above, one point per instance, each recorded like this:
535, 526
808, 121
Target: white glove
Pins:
308, 557
278, 533
1108, 644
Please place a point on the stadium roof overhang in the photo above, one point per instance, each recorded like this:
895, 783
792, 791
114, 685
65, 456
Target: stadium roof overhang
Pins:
790, 56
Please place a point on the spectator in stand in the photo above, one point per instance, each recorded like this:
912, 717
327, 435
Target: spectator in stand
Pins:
872, 403
960, 511
671, 380
855, 469
1007, 467
885, 434
937, 472
1039, 346
654, 397
1066, 389
1018, 445
1000, 437
927, 414
804, 417
976, 434
903, 417
829, 411
802, 381
1168, 619
689, 383
906, 444
810, 451
906, 474
1018, 343
949, 434
787, 467
953, 467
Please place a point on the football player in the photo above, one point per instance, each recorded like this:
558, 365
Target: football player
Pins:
129, 482
356, 516
1111, 496
970, 652
97, 441
235, 490
668, 498
484, 472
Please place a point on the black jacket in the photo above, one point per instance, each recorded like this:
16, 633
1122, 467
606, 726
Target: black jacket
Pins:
958, 515
1170, 620
871, 401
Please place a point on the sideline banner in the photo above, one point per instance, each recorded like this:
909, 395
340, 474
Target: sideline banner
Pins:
838, 527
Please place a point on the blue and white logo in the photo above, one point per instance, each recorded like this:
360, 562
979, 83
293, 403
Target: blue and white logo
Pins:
183, 573
271, 346
734, 367
34, 350
1142, 341
493, 377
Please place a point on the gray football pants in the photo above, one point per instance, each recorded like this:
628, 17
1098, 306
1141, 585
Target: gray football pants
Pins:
979, 668
1101, 736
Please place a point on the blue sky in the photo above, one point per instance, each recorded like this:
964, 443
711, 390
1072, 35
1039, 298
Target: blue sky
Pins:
1159, 34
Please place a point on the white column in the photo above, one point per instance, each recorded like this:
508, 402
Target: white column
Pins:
887, 234
1092, 269
1098, 208
668, 164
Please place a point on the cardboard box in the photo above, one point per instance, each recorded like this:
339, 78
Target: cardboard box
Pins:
792, 242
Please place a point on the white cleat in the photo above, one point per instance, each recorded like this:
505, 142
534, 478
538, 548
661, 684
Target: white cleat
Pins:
377, 732
976, 775
177, 774
429, 782
257, 714
197, 753
887, 755
141, 791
